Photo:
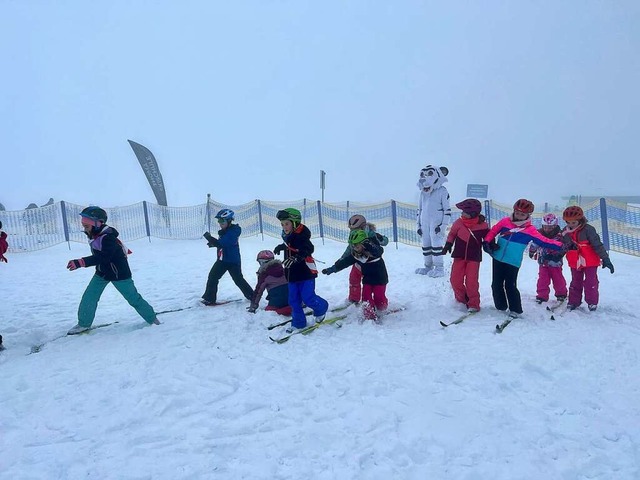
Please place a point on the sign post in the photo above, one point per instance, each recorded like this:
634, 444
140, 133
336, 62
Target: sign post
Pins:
323, 174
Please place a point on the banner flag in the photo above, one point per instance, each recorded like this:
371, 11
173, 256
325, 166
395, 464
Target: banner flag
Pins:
151, 170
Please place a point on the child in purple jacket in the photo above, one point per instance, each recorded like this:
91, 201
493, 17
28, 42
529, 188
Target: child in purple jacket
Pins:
549, 262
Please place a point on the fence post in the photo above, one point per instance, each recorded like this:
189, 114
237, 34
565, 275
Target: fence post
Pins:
208, 213
65, 224
487, 211
260, 218
320, 221
394, 221
146, 219
605, 223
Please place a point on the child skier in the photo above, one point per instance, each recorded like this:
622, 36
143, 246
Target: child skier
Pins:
227, 259
358, 222
367, 253
465, 238
513, 234
4, 245
434, 214
549, 262
271, 278
109, 256
585, 251
300, 269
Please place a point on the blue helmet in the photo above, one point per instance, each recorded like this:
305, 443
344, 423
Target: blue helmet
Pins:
225, 214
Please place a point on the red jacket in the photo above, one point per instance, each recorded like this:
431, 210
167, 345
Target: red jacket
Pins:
468, 235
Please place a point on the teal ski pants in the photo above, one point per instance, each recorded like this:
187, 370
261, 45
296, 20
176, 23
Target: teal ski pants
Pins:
91, 297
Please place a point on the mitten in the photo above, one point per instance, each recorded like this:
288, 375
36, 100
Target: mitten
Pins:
278, 249
73, 264
533, 254
420, 231
447, 248
606, 263
329, 271
490, 247
437, 229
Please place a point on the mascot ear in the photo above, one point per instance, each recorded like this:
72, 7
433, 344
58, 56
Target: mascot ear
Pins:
444, 170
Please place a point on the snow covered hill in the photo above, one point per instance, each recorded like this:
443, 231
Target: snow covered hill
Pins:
208, 395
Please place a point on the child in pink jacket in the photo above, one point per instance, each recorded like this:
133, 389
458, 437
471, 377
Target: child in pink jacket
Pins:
549, 262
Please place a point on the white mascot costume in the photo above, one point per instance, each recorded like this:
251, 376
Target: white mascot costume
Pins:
434, 214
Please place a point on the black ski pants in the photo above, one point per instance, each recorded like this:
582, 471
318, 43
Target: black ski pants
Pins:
504, 286
217, 271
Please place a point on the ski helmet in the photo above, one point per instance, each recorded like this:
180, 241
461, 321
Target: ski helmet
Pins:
573, 212
523, 205
265, 255
470, 206
357, 222
550, 219
225, 214
357, 236
95, 214
290, 214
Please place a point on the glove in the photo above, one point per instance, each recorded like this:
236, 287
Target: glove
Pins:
533, 255
329, 271
606, 263
3, 259
437, 229
211, 241
420, 231
291, 260
490, 247
447, 248
252, 309
278, 249
73, 264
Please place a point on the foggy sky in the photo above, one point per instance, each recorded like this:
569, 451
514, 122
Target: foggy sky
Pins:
251, 99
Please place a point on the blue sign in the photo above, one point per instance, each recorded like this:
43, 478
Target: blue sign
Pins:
477, 191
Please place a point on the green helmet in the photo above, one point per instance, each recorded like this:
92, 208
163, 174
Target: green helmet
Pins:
289, 214
357, 236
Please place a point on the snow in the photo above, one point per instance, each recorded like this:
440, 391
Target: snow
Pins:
208, 395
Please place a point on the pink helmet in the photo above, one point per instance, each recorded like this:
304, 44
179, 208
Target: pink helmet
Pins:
549, 219
265, 255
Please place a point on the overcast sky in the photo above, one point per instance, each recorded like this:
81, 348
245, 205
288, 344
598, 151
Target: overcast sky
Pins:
251, 99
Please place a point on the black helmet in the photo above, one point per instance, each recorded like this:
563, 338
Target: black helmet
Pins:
94, 213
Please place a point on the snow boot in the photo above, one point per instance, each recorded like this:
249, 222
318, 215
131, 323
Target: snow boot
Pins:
423, 270
436, 272
77, 329
592, 308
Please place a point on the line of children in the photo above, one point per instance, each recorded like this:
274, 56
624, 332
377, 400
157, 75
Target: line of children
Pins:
465, 238
549, 262
227, 258
506, 243
300, 269
359, 222
109, 256
367, 253
584, 255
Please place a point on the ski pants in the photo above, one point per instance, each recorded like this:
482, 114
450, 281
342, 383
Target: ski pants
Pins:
374, 298
504, 286
286, 311
464, 281
93, 292
355, 284
305, 291
217, 271
548, 275
584, 279
432, 244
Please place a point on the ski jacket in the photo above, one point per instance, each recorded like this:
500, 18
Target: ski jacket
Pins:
228, 245
468, 235
109, 255
590, 249
434, 210
546, 256
513, 239
4, 245
271, 278
298, 250
374, 271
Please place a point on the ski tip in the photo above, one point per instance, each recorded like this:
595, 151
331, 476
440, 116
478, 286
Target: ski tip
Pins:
443, 324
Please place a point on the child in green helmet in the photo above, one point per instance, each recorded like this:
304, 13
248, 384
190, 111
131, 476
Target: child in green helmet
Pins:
299, 268
368, 254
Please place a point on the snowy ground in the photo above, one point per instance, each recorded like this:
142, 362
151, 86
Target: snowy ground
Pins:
207, 395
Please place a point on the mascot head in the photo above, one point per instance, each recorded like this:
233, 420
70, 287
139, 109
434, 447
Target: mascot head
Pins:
432, 177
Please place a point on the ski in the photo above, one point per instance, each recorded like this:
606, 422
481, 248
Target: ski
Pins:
460, 319
501, 326
286, 321
217, 304
554, 308
309, 329
38, 348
